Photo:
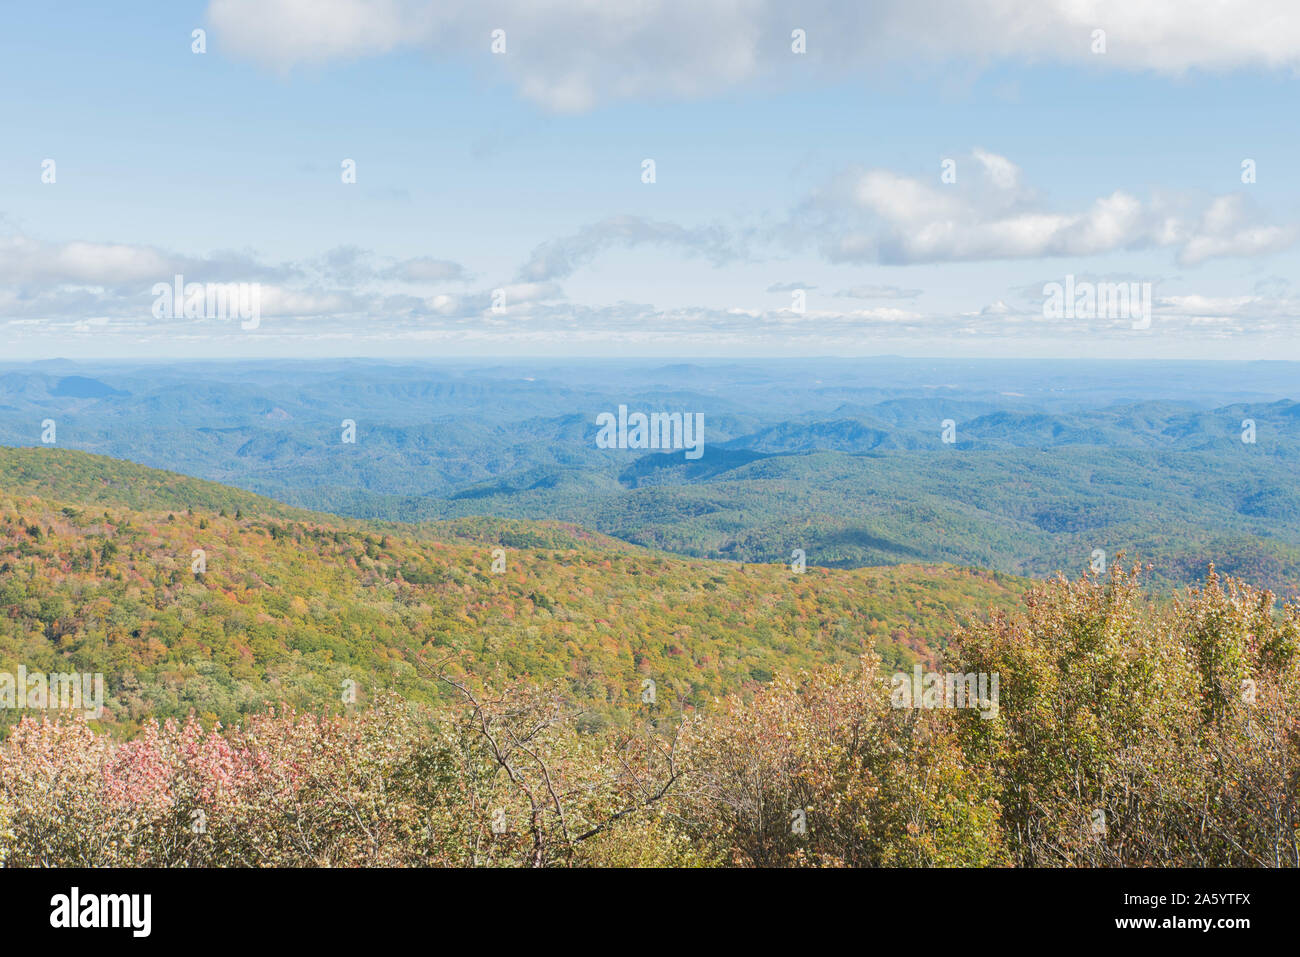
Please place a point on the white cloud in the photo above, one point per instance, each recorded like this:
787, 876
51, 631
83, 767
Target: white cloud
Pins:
26, 260
352, 265
426, 269
517, 299
1003, 173
35, 264
287, 32
881, 216
878, 292
558, 258
1229, 227
278, 301
573, 54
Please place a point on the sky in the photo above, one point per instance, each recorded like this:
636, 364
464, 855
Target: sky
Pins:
911, 183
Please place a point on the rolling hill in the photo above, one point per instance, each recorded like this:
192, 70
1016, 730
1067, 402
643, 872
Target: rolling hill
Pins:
100, 571
1051, 463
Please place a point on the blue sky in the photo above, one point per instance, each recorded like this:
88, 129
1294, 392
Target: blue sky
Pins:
774, 171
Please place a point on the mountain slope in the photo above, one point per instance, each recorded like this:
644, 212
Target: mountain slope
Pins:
1181, 464
70, 476
290, 607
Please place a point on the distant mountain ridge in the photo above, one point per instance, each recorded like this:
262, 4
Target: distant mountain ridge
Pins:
1050, 461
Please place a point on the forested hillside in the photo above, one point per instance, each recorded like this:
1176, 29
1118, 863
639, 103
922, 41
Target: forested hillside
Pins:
1180, 464
286, 605
1126, 734
594, 703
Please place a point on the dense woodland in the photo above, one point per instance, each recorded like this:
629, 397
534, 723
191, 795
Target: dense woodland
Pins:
288, 608
503, 719
1127, 735
1049, 461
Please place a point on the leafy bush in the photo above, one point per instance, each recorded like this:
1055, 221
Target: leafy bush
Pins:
1128, 733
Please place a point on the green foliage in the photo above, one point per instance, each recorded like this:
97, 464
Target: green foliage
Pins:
1132, 730
289, 608
1127, 734
1172, 726
93, 480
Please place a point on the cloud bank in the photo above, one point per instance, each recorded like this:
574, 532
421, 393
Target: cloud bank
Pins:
571, 55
